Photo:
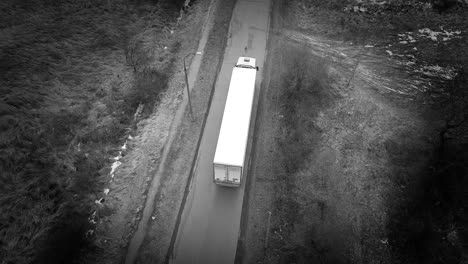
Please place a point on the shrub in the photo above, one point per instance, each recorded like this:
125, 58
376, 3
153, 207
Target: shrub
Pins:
66, 239
306, 90
148, 85
135, 55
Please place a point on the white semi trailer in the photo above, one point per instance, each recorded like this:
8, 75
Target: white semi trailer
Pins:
230, 155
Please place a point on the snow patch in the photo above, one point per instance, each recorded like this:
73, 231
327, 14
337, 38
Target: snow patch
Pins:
434, 35
92, 218
389, 52
355, 9
447, 73
406, 38
115, 165
89, 233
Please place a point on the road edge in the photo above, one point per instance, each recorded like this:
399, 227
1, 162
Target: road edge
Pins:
195, 158
250, 182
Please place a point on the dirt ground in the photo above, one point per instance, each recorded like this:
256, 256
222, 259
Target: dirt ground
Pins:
370, 140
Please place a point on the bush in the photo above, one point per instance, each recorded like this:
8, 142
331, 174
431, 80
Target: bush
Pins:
135, 55
305, 91
66, 239
148, 85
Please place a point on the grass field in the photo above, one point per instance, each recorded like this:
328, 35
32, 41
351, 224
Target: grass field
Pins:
73, 74
351, 172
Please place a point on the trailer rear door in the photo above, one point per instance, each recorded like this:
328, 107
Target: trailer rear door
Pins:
234, 174
220, 173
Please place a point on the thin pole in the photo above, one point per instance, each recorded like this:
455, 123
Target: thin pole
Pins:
188, 89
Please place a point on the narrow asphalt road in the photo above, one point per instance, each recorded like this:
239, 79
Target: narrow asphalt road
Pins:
209, 229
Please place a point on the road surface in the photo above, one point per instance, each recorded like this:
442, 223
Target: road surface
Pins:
210, 222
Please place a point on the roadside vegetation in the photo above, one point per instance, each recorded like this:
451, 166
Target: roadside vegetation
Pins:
73, 74
359, 174
306, 90
430, 221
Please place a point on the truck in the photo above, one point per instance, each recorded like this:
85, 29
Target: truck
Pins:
231, 148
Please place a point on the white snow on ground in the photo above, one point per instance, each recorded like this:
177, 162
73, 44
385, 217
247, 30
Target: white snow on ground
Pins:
406, 38
433, 35
368, 46
115, 165
355, 9
443, 35
447, 73
92, 218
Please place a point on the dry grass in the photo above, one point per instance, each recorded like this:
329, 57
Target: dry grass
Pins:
306, 90
429, 221
381, 189
341, 152
378, 23
68, 96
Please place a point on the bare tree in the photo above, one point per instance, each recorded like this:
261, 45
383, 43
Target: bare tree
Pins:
135, 55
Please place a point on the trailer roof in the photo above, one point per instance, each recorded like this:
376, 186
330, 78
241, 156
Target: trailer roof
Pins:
234, 132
